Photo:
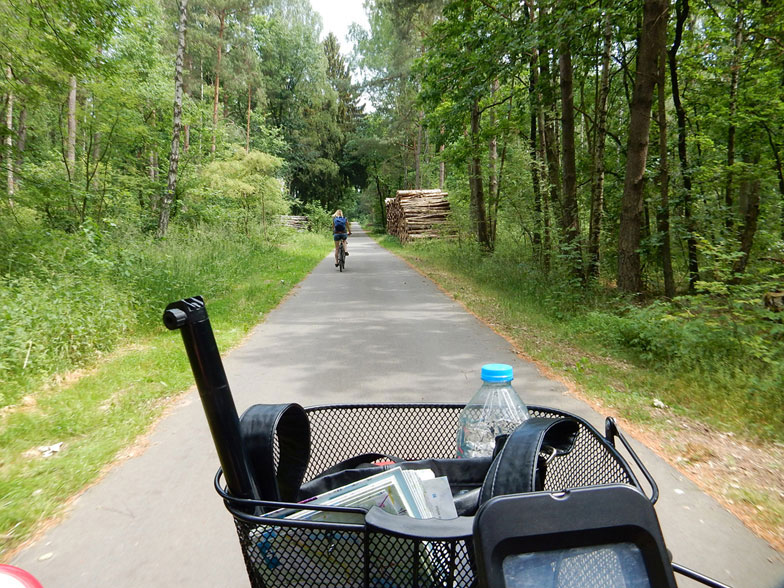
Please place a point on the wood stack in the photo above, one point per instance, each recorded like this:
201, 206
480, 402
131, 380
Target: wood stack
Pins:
297, 222
417, 214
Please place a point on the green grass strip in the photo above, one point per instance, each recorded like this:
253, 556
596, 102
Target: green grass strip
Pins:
117, 398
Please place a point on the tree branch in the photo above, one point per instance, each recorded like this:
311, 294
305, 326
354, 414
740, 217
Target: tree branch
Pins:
593, 122
496, 11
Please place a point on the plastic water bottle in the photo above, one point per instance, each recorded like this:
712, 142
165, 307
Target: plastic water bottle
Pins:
495, 409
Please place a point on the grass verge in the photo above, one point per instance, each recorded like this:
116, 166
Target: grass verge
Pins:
696, 427
100, 410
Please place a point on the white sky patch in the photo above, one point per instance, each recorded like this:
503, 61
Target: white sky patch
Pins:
337, 16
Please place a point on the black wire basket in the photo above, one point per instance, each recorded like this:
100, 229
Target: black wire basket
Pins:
307, 554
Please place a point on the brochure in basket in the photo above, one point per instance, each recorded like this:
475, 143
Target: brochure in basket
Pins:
401, 492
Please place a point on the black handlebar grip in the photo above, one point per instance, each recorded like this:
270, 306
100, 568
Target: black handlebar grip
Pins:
174, 318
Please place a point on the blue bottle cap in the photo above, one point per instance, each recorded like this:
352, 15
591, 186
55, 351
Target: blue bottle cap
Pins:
497, 372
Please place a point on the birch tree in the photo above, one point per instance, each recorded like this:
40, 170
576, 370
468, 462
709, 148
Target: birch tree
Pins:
174, 158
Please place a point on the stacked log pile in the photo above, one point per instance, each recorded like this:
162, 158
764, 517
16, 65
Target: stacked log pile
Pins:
417, 214
298, 222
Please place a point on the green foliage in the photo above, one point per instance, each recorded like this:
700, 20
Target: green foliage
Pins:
720, 352
319, 219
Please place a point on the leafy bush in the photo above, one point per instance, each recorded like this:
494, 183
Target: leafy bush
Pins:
319, 219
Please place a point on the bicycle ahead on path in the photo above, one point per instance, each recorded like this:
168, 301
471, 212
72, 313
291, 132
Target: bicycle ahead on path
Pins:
341, 255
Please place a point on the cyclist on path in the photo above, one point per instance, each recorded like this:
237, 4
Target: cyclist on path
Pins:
340, 231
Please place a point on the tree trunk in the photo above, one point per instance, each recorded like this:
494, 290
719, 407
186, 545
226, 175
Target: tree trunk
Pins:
151, 165
541, 240
247, 125
21, 140
70, 158
779, 172
750, 198
153, 155
570, 220
475, 181
663, 215
381, 200
682, 13
9, 138
492, 162
734, 75
547, 237
548, 135
222, 18
174, 159
652, 40
418, 154
441, 169
537, 235
597, 186
551, 173
533, 80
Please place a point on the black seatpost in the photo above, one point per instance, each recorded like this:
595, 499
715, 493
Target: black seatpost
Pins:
190, 317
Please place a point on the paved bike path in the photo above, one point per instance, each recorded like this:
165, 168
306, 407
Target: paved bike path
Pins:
379, 332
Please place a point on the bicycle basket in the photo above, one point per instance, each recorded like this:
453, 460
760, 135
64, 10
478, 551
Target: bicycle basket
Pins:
282, 552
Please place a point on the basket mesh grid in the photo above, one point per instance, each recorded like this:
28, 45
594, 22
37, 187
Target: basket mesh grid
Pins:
299, 556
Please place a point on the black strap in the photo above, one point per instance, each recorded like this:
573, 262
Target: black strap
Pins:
258, 427
347, 471
364, 460
518, 467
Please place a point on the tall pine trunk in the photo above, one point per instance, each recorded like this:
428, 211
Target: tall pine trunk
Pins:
652, 40
750, 205
597, 185
547, 123
216, 92
247, 124
475, 181
441, 169
535, 183
492, 164
535, 102
544, 159
731, 131
663, 215
174, 158
21, 140
570, 219
538, 157
70, 157
418, 153
682, 13
9, 138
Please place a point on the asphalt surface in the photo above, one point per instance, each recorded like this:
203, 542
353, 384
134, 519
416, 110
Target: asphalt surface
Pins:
379, 332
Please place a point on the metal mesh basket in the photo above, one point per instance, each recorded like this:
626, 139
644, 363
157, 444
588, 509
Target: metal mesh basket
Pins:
307, 554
